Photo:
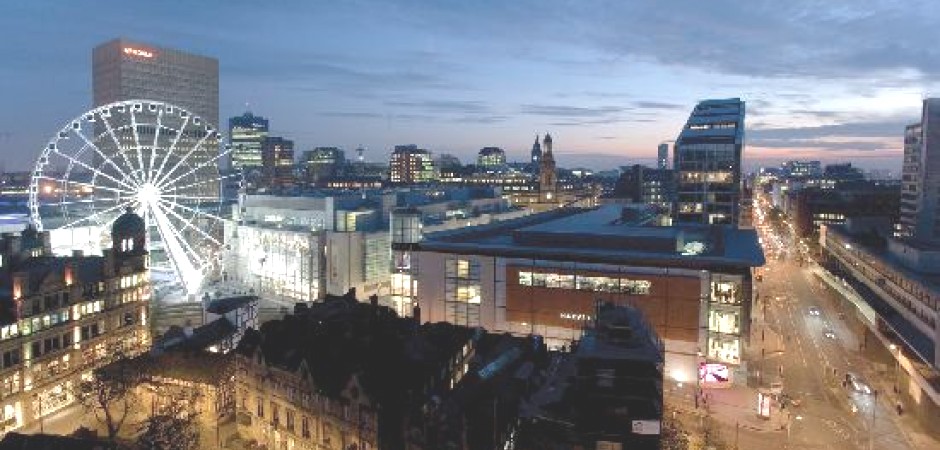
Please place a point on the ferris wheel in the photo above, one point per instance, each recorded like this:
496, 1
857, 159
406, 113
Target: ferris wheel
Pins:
157, 159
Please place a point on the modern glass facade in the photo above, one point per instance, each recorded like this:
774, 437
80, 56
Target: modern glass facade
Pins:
246, 133
707, 159
724, 319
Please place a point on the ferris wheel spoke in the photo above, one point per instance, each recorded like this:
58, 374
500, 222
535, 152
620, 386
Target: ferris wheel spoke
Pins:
188, 197
194, 211
124, 204
117, 143
178, 231
95, 170
169, 207
97, 150
176, 246
169, 152
156, 143
140, 157
198, 183
194, 169
89, 185
198, 145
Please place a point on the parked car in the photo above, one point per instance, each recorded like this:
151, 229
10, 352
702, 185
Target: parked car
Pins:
829, 333
813, 311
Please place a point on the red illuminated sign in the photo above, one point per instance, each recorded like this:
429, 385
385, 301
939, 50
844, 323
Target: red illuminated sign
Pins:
713, 373
138, 52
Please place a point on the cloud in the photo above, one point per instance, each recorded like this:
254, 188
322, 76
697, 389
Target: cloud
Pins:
659, 105
820, 144
892, 128
443, 106
570, 111
352, 114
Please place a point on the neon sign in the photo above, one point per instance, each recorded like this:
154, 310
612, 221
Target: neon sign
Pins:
138, 52
713, 373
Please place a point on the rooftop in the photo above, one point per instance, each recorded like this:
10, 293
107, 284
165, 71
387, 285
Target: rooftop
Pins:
228, 304
601, 235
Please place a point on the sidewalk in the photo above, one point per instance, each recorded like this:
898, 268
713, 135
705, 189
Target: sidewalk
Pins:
737, 407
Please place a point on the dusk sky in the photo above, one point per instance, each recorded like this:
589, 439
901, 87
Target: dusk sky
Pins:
824, 79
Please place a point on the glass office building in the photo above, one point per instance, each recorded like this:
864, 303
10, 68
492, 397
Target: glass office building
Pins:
707, 158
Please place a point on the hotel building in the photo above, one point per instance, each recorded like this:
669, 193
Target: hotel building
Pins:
63, 317
544, 274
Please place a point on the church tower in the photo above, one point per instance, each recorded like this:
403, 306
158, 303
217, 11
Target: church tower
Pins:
547, 176
536, 156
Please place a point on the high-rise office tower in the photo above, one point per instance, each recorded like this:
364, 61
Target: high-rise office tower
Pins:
662, 157
920, 177
277, 159
246, 134
130, 70
127, 70
707, 160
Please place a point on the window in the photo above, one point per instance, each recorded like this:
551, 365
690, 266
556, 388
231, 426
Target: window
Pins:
11, 358
275, 414
290, 420
305, 427
463, 292
525, 278
260, 407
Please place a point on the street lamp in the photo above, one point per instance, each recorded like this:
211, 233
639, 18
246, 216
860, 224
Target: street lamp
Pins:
897, 367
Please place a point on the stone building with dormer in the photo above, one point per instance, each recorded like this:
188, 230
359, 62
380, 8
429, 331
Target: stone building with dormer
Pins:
63, 316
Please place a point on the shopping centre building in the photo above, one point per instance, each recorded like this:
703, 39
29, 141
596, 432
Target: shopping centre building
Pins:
545, 274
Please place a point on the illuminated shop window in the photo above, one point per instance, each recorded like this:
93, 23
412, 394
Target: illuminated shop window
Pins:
724, 348
727, 322
726, 291
586, 283
462, 291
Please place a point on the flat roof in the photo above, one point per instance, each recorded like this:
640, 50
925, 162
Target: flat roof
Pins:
600, 235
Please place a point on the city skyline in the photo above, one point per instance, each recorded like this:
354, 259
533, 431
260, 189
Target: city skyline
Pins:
609, 83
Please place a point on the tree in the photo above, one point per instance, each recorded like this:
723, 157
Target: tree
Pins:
174, 424
109, 393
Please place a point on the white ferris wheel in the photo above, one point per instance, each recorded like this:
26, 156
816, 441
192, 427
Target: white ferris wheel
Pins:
156, 159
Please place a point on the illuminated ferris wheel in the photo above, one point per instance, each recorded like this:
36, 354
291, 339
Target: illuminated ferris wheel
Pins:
157, 159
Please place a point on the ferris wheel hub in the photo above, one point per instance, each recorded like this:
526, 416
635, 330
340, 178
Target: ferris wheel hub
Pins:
148, 195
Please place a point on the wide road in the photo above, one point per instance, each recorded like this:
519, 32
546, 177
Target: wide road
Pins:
814, 350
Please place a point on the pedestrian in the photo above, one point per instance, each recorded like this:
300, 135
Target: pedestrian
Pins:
900, 409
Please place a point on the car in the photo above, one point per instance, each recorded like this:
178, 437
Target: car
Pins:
856, 384
829, 333
813, 311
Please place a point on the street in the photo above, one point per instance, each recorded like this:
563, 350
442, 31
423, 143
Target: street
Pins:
802, 342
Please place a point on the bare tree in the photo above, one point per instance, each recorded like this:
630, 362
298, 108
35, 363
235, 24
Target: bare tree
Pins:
173, 425
109, 394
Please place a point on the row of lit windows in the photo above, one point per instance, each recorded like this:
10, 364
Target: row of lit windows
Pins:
709, 126
587, 283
